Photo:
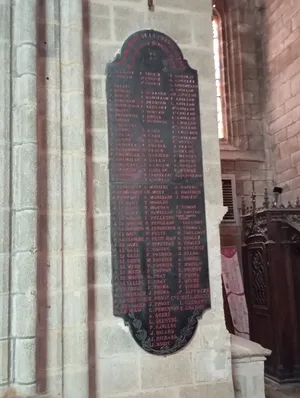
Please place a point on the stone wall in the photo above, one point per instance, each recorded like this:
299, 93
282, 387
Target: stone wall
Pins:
58, 332
123, 370
282, 108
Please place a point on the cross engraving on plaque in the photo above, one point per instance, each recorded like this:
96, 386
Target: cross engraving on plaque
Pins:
151, 5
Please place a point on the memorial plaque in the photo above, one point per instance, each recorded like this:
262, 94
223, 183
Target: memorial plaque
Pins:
158, 229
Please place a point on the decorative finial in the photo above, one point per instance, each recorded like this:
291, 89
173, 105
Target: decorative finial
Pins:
243, 208
253, 196
298, 202
150, 5
290, 206
266, 199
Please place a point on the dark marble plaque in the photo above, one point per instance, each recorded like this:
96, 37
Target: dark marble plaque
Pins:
158, 229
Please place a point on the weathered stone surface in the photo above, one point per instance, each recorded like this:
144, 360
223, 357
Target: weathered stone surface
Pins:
214, 390
118, 376
164, 372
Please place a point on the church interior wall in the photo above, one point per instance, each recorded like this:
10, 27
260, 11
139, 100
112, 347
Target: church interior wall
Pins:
282, 101
139, 373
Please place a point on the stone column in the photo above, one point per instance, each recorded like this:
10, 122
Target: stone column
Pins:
24, 198
55, 196
74, 277
5, 191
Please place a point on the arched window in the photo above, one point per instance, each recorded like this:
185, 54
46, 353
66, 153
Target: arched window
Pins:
217, 46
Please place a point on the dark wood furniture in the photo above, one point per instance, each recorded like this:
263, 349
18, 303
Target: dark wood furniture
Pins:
271, 268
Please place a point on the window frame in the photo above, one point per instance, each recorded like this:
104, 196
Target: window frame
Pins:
218, 14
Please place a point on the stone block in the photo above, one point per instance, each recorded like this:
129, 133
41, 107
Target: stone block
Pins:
25, 360
23, 314
75, 346
119, 375
72, 110
74, 180
202, 29
100, 10
289, 146
4, 275
208, 92
102, 233
211, 365
26, 390
100, 145
26, 59
161, 393
115, 339
55, 309
54, 359
4, 311
55, 384
294, 184
4, 236
75, 272
212, 148
54, 186
166, 371
283, 164
23, 277
101, 199
75, 232
25, 91
24, 124
71, 12
286, 175
4, 352
72, 81
71, 50
168, 22
24, 231
75, 308
100, 28
99, 115
215, 335
98, 88
54, 231
53, 40
281, 136
293, 102
189, 5
25, 167
74, 136
75, 381
103, 268
215, 390
293, 129
104, 304
100, 56
208, 121
24, 29
127, 21
295, 158
295, 86
212, 191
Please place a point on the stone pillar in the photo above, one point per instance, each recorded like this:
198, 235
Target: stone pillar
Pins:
55, 197
203, 368
24, 198
5, 191
74, 267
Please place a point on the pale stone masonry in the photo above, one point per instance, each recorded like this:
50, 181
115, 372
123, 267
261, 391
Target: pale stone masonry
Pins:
283, 100
81, 352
